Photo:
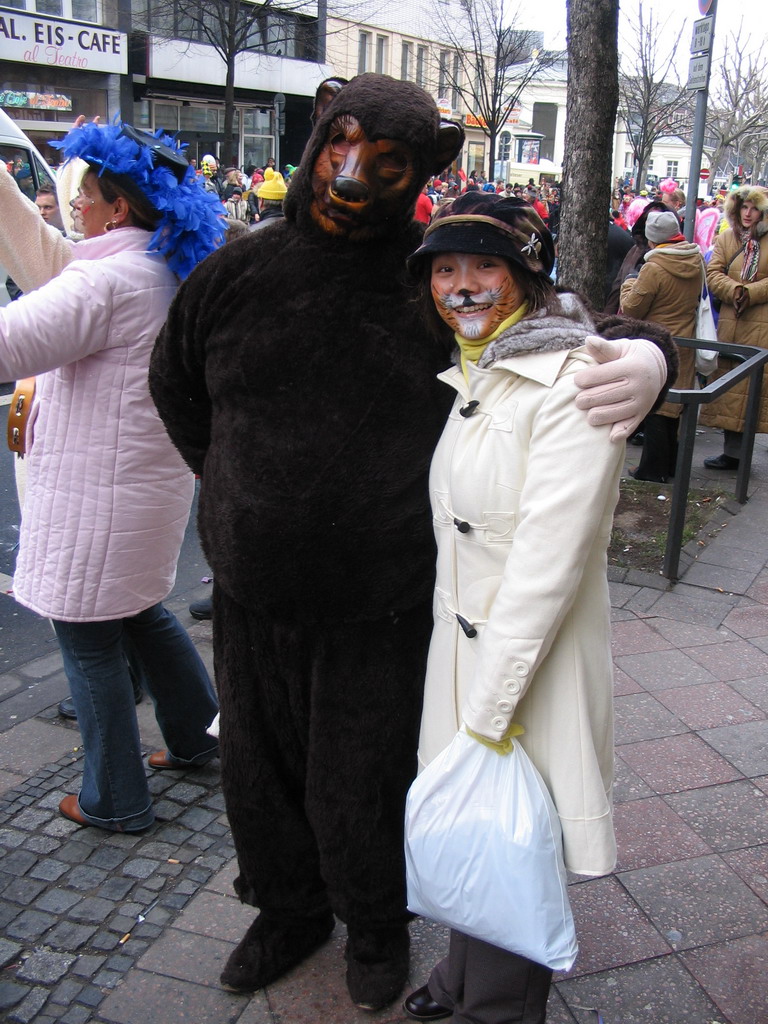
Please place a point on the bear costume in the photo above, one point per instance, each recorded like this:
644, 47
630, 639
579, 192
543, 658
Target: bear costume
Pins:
294, 375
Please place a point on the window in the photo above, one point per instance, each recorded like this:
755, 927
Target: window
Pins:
505, 145
421, 66
85, 10
167, 116
479, 71
528, 151
455, 93
544, 122
381, 54
628, 161
406, 62
194, 119
475, 156
363, 52
442, 86
74, 10
672, 166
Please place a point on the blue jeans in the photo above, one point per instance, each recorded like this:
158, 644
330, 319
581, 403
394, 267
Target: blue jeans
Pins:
114, 792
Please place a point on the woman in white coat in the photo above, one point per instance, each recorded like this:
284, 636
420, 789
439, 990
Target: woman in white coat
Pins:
523, 492
108, 496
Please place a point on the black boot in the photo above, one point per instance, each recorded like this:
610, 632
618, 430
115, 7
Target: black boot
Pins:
721, 462
202, 609
421, 1006
657, 463
271, 947
377, 964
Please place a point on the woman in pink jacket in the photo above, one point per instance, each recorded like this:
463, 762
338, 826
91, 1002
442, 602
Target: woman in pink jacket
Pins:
108, 496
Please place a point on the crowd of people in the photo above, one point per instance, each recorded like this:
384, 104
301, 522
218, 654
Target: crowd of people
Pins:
441, 191
251, 196
655, 273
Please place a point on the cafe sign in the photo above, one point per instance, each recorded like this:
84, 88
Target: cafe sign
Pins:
29, 39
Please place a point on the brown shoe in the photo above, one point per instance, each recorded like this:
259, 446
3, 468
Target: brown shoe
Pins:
70, 808
162, 761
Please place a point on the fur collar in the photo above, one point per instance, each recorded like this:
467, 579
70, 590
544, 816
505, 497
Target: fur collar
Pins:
543, 332
757, 195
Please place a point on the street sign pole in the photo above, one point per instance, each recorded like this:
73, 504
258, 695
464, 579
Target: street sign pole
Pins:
701, 45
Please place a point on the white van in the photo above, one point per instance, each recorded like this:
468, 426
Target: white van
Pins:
26, 165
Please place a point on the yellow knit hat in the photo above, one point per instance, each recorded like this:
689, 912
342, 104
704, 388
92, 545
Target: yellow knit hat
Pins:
273, 186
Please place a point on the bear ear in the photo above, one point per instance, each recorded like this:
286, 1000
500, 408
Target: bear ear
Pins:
450, 139
326, 93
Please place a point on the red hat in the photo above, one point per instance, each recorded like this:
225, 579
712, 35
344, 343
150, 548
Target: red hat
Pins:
437, 182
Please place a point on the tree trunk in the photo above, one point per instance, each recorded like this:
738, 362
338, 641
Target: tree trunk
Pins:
593, 98
229, 114
491, 154
230, 158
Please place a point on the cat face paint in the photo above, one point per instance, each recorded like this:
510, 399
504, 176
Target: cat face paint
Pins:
474, 293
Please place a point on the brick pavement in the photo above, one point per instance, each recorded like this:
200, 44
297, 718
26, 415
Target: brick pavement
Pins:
678, 934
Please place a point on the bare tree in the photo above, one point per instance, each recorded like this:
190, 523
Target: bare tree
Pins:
487, 61
233, 27
737, 115
652, 102
593, 95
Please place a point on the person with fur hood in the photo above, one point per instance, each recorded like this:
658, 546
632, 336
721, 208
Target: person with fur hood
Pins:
666, 290
737, 275
312, 414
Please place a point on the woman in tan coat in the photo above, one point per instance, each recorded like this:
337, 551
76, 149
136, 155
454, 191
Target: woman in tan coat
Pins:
667, 291
738, 276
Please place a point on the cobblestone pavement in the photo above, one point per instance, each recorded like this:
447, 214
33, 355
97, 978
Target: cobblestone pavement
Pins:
99, 928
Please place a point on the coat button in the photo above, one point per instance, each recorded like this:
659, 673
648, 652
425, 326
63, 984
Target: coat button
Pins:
512, 686
499, 723
520, 668
469, 629
469, 408
462, 526
504, 706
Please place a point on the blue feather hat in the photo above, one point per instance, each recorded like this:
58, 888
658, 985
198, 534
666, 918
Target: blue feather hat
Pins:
191, 220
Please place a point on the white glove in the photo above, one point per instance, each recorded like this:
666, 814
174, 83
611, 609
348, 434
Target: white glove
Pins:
623, 387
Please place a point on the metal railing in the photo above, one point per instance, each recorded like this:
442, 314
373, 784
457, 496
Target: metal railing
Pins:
751, 362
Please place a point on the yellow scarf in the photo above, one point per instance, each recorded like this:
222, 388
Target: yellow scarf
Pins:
472, 350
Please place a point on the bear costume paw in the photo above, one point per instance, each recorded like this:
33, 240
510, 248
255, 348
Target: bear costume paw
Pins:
377, 965
271, 947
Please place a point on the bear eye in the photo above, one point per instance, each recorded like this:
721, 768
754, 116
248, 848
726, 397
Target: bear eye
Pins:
393, 161
340, 144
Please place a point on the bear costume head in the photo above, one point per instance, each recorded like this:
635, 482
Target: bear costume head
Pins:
376, 142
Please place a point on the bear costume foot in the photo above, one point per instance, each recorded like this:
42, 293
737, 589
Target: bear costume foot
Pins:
271, 947
377, 965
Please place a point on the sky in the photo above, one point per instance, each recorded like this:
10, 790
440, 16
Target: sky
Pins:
677, 15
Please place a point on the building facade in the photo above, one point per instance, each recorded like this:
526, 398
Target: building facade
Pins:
152, 63
670, 158
56, 66
403, 41
153, 66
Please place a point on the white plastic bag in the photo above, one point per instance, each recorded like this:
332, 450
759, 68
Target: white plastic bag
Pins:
483, 852
706, 359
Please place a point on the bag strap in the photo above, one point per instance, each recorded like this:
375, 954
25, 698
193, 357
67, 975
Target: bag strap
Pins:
727, 267
737, 253
18, 416
705, 293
